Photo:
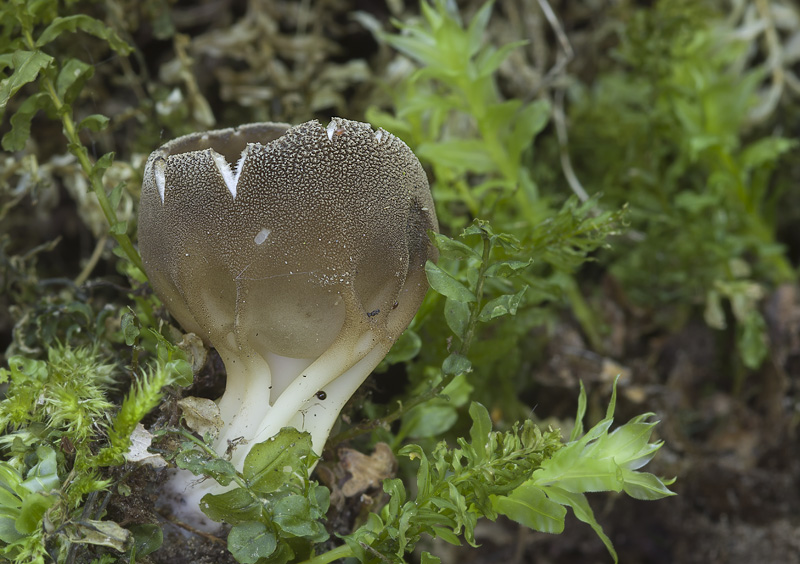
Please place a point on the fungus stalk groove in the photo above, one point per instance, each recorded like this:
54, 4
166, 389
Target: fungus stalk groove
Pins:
336, 371
246, 398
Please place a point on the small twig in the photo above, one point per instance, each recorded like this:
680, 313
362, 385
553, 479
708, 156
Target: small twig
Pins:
403, 408
566, 54
182, 525
375, 552
72, 553
563, 147
523, 542
208, 450
559, 31
774, 64
43, 248
102, 509
141, 290
338, 553
77, 148
93, 260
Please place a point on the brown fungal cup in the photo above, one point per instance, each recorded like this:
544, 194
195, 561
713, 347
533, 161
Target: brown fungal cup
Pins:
297, 252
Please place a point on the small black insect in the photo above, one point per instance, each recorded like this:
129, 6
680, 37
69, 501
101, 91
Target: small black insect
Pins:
373, 313
321, 395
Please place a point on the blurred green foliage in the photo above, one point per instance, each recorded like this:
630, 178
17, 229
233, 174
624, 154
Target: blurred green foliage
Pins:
667, 131
480, 149
451, 113
29, 30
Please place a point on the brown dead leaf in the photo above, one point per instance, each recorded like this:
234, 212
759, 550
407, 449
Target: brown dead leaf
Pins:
365, 472
355, 484
201, 415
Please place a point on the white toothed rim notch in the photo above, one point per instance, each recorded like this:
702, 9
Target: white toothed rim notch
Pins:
240, 166
230, 177
224, 168
331, 129
160, 174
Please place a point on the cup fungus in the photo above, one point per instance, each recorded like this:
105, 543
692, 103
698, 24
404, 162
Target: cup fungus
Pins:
297, 252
